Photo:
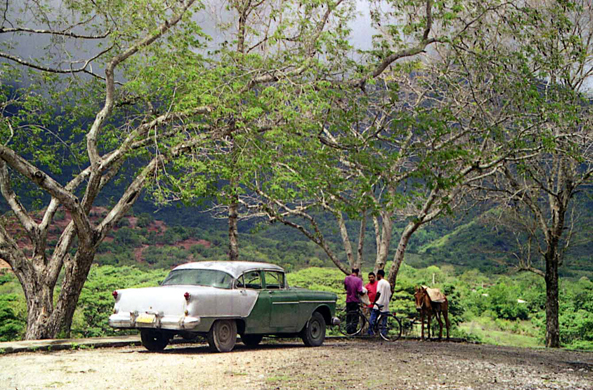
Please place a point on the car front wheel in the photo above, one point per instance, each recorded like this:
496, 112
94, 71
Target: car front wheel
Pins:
313, 334
222, 336
153, 340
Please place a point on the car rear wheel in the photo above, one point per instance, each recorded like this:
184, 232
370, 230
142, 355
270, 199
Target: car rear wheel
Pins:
222, 336
313, 334
251, 340
153, 340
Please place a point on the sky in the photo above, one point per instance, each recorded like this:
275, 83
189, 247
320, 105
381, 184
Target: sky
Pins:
31, 46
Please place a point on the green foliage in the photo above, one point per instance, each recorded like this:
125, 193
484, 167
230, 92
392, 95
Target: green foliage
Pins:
144, 220
322, 279
576, 315
12, 326
503, 302
166, 256
12, 309
128, 237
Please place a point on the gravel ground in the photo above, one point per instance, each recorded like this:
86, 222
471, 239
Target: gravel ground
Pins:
359, 364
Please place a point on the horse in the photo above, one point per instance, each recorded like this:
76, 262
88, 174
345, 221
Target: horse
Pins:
428, 307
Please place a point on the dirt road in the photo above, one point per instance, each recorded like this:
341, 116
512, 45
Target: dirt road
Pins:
364, 364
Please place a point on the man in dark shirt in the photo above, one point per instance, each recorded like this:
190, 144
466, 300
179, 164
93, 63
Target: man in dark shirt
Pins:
353, 286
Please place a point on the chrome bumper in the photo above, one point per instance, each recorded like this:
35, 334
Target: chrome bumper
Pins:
131, 320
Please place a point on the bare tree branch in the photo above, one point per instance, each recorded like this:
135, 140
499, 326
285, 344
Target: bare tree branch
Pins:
64, 33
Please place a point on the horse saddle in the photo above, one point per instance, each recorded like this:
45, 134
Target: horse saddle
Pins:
435, 295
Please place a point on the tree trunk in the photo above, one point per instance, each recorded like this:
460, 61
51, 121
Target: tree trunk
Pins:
233, 230
39, 310
43, 320
38, 289
552, 323
383, 238
345, 240
398, 258
558, 206
75, 275
234, 203
360, 246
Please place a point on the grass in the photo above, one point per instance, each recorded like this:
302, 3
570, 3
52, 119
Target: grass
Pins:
278, 378
443, 241
489, 333
76, 346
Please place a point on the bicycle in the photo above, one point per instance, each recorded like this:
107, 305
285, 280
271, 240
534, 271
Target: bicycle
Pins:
391, 331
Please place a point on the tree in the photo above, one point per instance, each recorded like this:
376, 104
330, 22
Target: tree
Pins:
271, 61
377, 142
141, 51
541, 57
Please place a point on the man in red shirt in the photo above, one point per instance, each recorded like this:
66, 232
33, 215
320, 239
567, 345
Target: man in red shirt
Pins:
371, 288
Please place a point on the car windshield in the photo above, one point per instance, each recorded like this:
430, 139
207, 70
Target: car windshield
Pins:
198, 277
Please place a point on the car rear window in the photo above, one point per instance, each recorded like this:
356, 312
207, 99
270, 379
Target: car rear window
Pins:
198, 277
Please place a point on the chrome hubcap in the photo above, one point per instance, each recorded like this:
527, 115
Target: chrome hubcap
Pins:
315, 329
225, 333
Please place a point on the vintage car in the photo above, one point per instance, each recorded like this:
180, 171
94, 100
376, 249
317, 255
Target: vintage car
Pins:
218, 299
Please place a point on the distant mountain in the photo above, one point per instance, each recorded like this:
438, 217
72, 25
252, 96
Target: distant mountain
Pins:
163, 238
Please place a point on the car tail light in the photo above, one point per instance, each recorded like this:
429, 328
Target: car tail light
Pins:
186, 295
115, 294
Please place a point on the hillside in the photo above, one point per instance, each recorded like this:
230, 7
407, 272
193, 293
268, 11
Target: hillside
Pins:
174, 235
478, 243
143, 240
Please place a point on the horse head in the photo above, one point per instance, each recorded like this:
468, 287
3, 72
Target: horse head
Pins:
419, 296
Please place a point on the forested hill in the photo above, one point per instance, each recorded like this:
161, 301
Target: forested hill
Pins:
464, 240
166, 237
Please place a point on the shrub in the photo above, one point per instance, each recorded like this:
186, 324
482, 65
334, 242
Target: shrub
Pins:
12, 326
144, 220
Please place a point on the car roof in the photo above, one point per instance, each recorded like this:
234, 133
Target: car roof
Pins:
234, 268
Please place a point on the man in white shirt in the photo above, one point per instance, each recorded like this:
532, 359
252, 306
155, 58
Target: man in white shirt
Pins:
381, 304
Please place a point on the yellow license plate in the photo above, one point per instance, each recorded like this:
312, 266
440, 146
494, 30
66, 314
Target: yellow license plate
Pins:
145, 319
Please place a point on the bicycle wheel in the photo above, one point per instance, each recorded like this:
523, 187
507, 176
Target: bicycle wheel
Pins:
358, 321
412, 328
392, 329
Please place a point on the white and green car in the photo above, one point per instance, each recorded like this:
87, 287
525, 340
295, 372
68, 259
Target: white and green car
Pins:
219, 299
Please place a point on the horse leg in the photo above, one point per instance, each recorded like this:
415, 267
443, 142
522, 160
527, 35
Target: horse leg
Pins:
438, 316
422, 327
429, 314
446, 314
